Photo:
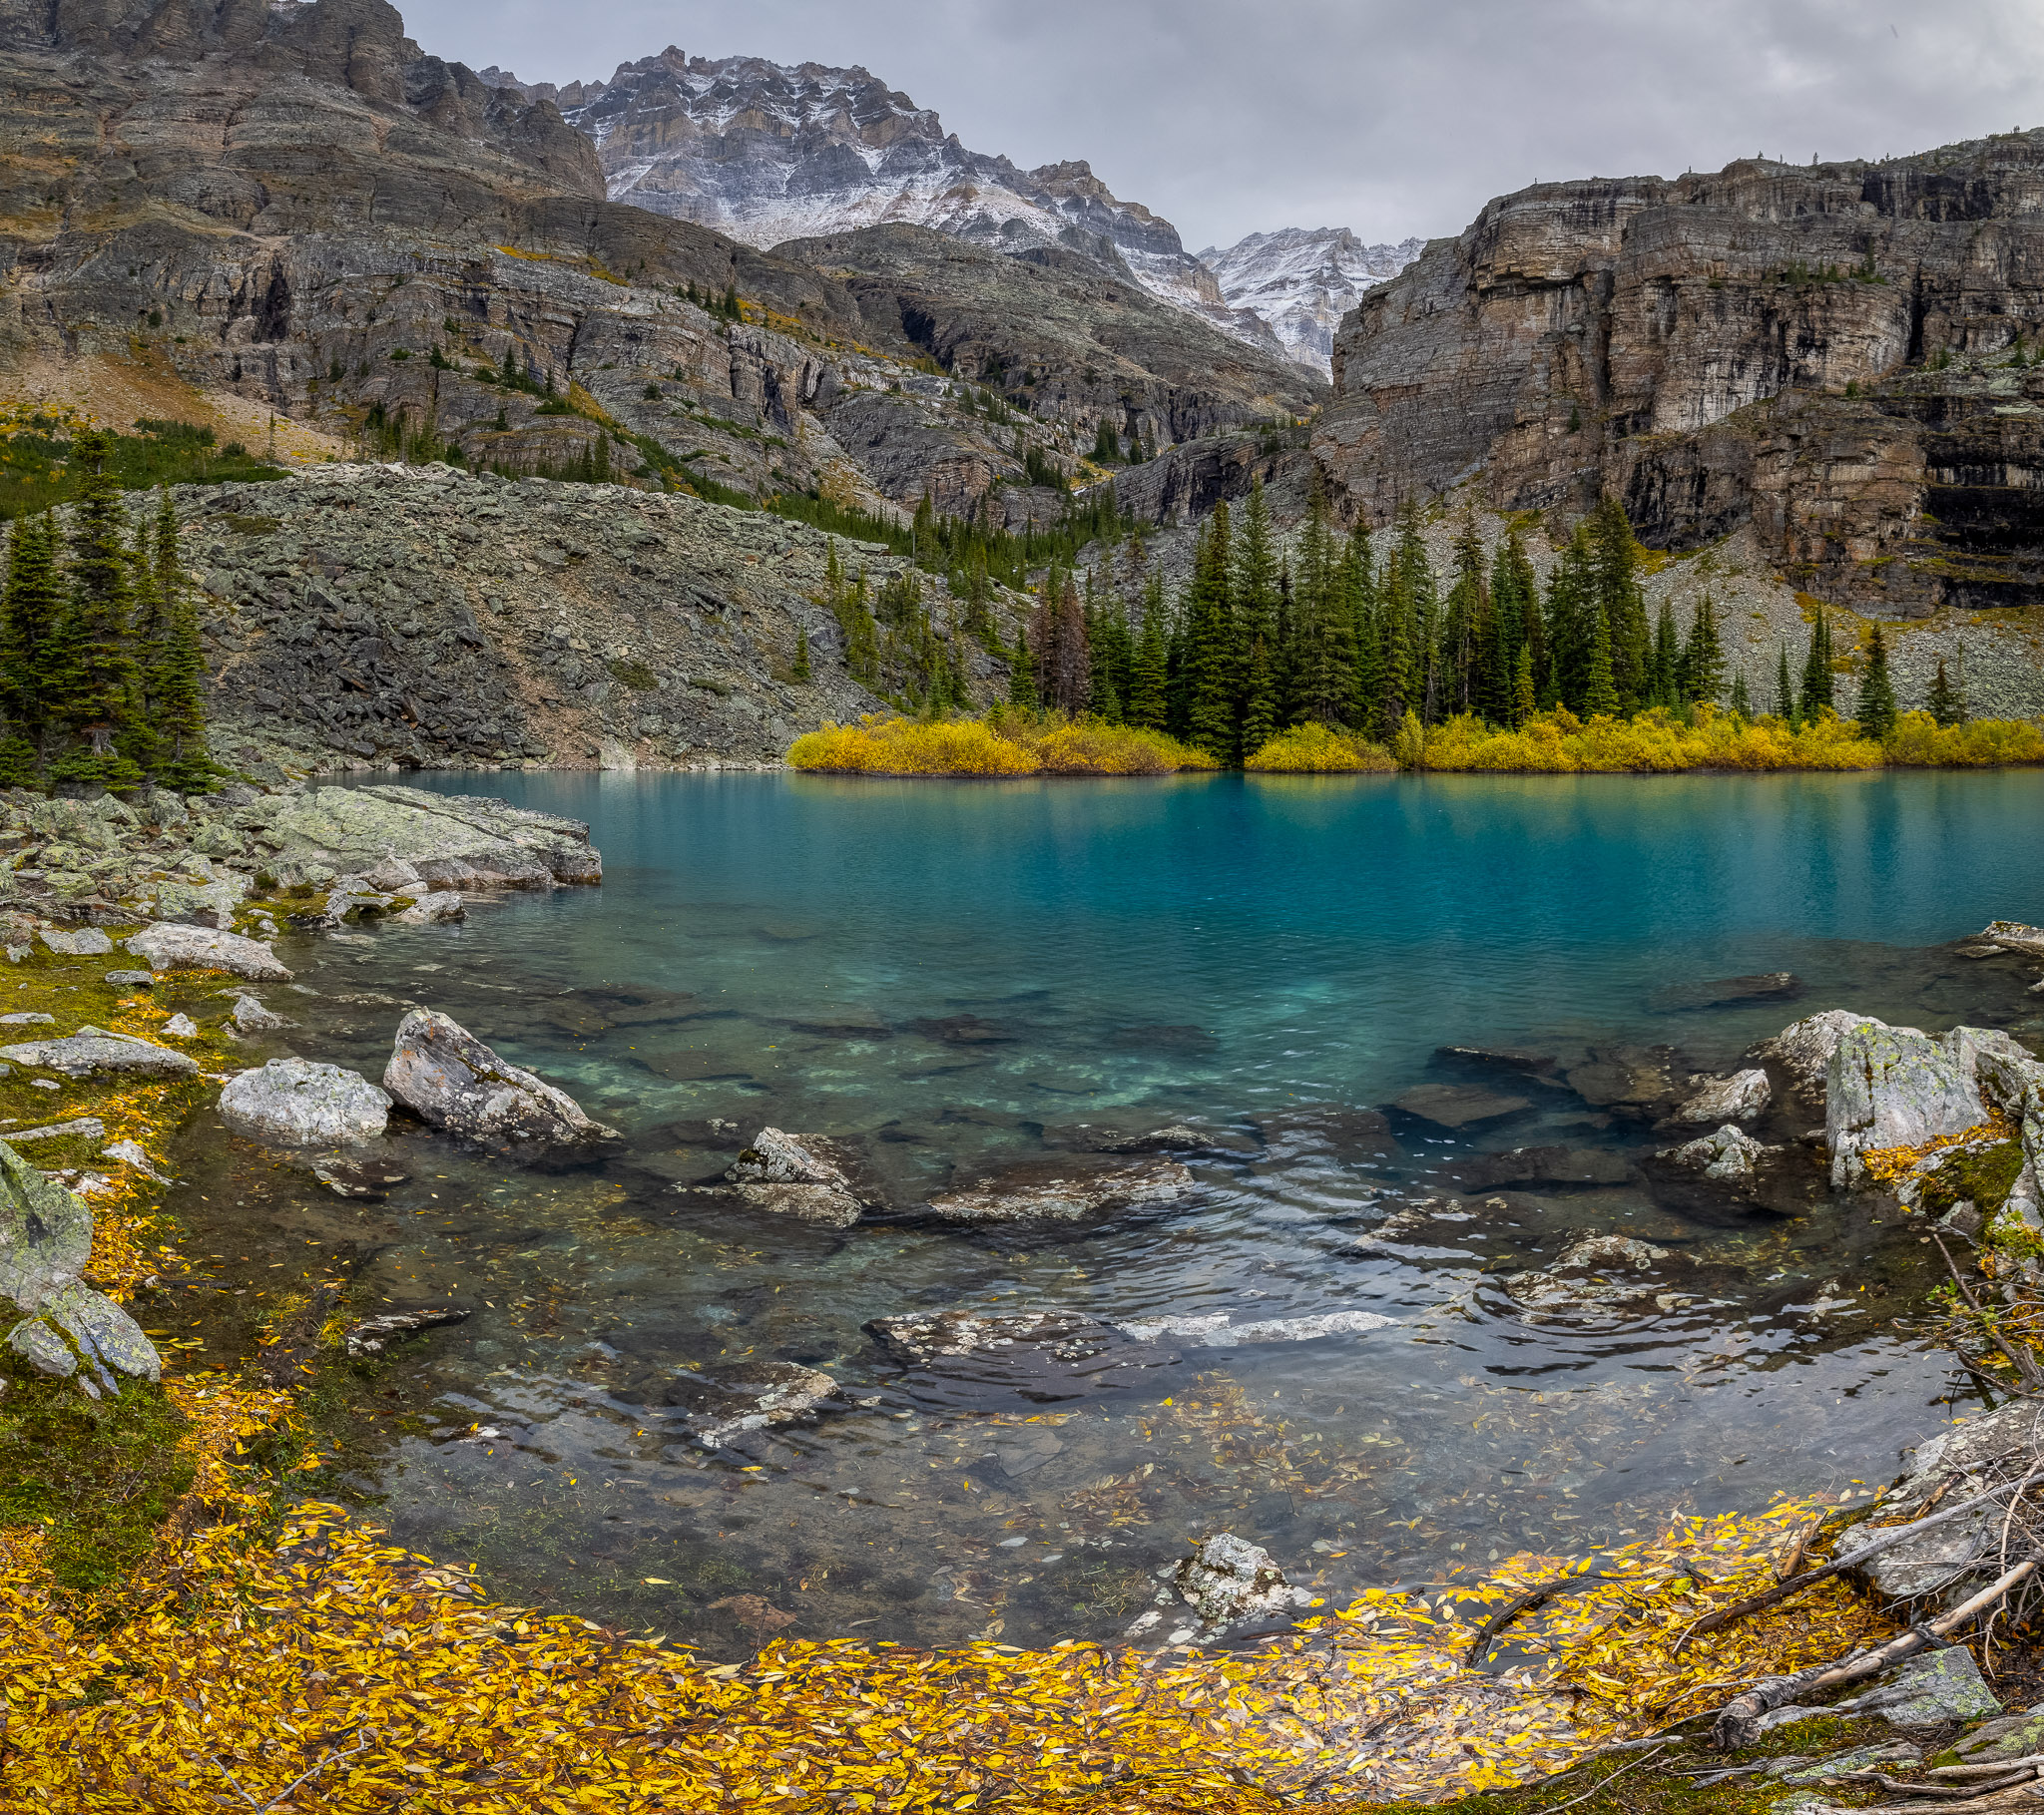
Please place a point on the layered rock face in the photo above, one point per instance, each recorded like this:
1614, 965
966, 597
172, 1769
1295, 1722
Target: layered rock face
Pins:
1689, 344
766, 152
1303, 280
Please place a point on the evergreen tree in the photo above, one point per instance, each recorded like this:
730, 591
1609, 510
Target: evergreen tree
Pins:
1818, 683
1322, 668
1615, 568
96, 684
1209, 653
1255, 598
1665, 672
802, 670
1464, 629
28, 621
1703, 656
1150, 670
1784, 695
1945, 703
1515, 605
1572, 609
1064, 667
1742, 701
1107, 447
1355, 588
1876, 711
1599, 690
1022, 674
1260, 703
1522, 686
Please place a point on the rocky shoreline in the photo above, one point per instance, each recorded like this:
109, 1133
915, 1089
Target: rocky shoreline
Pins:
1947, 1128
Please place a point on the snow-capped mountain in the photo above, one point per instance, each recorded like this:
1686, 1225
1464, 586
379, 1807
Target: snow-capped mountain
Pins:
1303, 280
768, 152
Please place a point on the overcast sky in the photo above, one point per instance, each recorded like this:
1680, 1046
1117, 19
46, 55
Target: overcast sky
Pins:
1390, 117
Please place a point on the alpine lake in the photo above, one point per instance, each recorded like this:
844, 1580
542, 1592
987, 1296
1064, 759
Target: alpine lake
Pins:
956, 975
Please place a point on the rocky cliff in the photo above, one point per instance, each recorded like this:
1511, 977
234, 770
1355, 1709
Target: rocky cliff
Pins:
1834, 354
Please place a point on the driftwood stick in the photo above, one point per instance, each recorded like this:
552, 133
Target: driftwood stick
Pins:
1536, 1597
1739, 1721
2024, 1363
1886, 1539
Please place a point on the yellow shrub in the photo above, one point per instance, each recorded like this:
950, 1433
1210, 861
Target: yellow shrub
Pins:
1921, 742
906, 746
1318, 750
1008, 742
1558, 743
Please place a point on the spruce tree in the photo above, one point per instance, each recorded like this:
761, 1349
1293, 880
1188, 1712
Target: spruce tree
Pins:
1665, 686
1784, 695
1253, 594
1876, 711
1570, 609
1259, 704
1600, 691
1148, 672
1703, 656
1742, 701
95, 680
1209, 658
1616, 567
28, 622
802, 670
1022, 674
1522, 687
1817, 681
1945, 703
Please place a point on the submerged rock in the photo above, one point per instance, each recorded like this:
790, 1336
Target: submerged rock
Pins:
1498, 1059
1543, 1166
251, 1017
799, 1175
445, 1075
1228, 1579
1631, 1081
1582, 1279
1739, 1098
755, 1395
93, 1050
1214, 1330
1062, 1190
1458, 1106
1724, 992
1036, 1355
374, 1336
191, 948
1730, 1155
305, 1104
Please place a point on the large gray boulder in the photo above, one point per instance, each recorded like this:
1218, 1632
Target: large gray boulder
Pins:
303, 1103
797, 1176
1889, 1088
401, 837
93, 1050
45, 1242
446, 1076
195, 947
1738, 1097
1803, 1051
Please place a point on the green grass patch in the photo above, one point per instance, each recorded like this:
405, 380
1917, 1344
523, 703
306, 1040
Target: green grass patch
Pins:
36, 468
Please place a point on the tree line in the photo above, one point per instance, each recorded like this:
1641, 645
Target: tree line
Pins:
1356, 632
102, 673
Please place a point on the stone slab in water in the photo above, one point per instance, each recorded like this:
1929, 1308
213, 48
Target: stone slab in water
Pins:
1062, 1190
1543, 1166
1458, 1106
1724, 992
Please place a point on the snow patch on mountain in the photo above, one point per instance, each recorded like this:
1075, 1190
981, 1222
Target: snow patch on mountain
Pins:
1303, 280
769, 152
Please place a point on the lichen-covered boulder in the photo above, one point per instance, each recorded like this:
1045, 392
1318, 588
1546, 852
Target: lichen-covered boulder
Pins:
303, 1103
107, 1340
86, 941
1738, 1098
195, 947
432, 910
93, 1050
45, 1231
1889, 1088
1730, 1155
251, 1017
1803, 1050
446, 1076
1228, 1579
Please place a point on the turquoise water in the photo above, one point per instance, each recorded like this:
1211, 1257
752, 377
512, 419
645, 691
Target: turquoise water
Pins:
954, 973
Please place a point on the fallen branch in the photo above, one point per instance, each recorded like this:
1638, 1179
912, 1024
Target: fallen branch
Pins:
1557, 1808
1739, 1722
2024, 1363
1886, 1539
1533, 1598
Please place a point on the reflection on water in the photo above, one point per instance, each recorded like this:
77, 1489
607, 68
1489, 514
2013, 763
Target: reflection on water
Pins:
954, 975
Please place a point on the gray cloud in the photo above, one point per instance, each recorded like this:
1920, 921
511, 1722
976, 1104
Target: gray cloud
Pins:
1392, 117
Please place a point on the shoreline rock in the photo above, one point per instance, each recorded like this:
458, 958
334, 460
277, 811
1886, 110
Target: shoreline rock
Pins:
305, 1104
446, 1076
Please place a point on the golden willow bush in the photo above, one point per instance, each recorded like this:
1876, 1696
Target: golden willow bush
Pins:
1558, 743
1009, 741
1316, 749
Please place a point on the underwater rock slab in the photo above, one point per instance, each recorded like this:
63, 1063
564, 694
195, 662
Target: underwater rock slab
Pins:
1543, 1166
1459, 1105
1062, 1190
754, 1396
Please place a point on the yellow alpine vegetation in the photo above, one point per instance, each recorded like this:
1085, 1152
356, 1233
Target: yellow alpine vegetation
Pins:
1007, 742
1317, 749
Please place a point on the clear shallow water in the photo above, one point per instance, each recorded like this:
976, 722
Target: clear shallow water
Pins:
959, 973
